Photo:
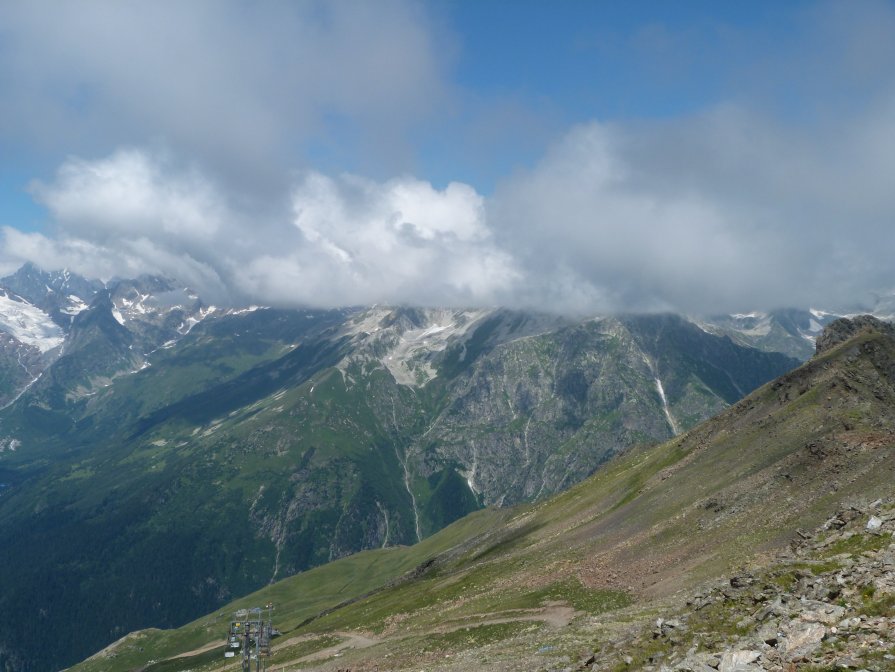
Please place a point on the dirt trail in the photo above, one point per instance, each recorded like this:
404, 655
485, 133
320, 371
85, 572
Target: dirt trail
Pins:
350, 640
555, 615
277, 644
201, 649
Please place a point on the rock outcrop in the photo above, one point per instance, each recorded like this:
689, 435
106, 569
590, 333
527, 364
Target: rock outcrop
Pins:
826, 603
845, 328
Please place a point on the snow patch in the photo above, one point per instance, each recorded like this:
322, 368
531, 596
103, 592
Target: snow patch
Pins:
408, 357
11, 445
242, 311
75, 305
29, 324
671, 422
704, 326
193, 320
470, 474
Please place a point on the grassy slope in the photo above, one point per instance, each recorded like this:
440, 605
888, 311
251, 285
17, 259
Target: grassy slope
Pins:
651, 522
299, 597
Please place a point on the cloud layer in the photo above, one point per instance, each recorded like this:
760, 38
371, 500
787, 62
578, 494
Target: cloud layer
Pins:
245, 87
725, 212
346, 240
198, 156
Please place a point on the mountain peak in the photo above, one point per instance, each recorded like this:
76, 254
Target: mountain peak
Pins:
846, 328
61, 294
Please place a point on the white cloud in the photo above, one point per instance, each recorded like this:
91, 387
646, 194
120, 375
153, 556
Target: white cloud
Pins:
721, 212
401, 241
122, 257
781, 195
130, 193
724, 211
588, 216
349, 240
242, 86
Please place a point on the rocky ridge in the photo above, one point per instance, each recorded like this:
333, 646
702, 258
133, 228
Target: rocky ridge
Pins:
826, 603
843, 329
625, 566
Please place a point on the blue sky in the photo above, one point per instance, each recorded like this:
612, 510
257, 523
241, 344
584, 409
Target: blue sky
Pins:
525, 71
573, 155
521, 73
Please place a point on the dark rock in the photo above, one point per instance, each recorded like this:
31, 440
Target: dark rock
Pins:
742, 581
843, 329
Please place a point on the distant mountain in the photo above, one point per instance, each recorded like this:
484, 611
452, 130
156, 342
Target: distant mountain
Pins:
27, 334
158, 311
760, 539
51, 318
59, 294
789, 331
525, 415
260, 442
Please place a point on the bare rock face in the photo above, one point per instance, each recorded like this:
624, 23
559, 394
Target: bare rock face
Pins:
845, 328
803, 639
739, 661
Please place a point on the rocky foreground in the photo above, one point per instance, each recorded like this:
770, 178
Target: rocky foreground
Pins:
828, 603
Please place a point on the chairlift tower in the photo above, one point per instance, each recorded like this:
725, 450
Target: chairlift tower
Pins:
250, 634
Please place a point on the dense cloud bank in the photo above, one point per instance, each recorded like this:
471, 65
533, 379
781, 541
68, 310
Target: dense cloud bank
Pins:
611, 219
192, 171
236, 85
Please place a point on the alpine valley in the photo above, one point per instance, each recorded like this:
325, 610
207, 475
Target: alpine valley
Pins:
160, 457
759, 540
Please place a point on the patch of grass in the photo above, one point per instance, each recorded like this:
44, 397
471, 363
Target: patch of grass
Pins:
816, 568
884, 606
721, 619
302, 649
662, 457
824, 567
876, 660
79, 473
302, 596
858, 544
785, 580
188, 662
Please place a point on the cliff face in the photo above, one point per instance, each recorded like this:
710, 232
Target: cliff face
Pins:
532, 415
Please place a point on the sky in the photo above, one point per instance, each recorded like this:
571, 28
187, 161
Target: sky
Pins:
581, 157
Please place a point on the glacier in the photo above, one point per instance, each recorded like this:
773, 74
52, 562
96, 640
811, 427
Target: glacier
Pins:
29, 324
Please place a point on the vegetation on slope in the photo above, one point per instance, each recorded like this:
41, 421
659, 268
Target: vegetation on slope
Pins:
651, 522
267, 443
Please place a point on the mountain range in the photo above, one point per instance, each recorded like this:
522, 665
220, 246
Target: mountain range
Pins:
759, 540
160, 456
